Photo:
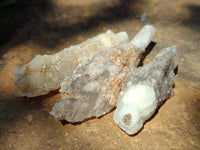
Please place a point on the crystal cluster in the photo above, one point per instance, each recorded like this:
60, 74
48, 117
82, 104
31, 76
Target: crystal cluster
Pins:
45, 73
95, 86
100, 74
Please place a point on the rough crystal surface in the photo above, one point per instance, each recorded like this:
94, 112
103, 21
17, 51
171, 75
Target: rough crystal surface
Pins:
96, 86
145, 89
94, 92
45, 73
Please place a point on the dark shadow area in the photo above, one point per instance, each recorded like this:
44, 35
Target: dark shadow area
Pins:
15, 15
176, 70
147, 51
15, 109
30, 16
194, 19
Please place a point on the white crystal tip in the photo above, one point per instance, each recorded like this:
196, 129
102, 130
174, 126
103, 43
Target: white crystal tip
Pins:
144, 37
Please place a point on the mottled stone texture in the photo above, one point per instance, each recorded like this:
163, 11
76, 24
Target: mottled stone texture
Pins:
25, 123
45, 73
95, 87
145, 89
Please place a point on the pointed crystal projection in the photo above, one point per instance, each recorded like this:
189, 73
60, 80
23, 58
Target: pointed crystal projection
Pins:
45, 73
95, 87
145, 89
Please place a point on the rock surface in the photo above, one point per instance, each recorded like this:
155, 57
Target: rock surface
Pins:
95, 87
145, 89
45, 73
59, 24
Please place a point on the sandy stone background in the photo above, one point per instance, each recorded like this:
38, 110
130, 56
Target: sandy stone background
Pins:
46, 27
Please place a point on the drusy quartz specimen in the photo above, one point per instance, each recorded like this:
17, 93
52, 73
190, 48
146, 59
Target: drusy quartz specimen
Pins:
95, 86
144, 89
45, 73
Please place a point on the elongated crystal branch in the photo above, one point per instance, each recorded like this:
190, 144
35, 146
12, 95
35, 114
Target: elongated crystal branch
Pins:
145, 89
45, 73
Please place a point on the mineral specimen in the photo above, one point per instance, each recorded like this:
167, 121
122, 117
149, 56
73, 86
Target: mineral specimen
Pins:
95, 86
45, 73
144, 90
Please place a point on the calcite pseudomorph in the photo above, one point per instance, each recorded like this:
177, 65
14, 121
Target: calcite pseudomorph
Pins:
95, 86
45, 73
100, 74
145, 89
